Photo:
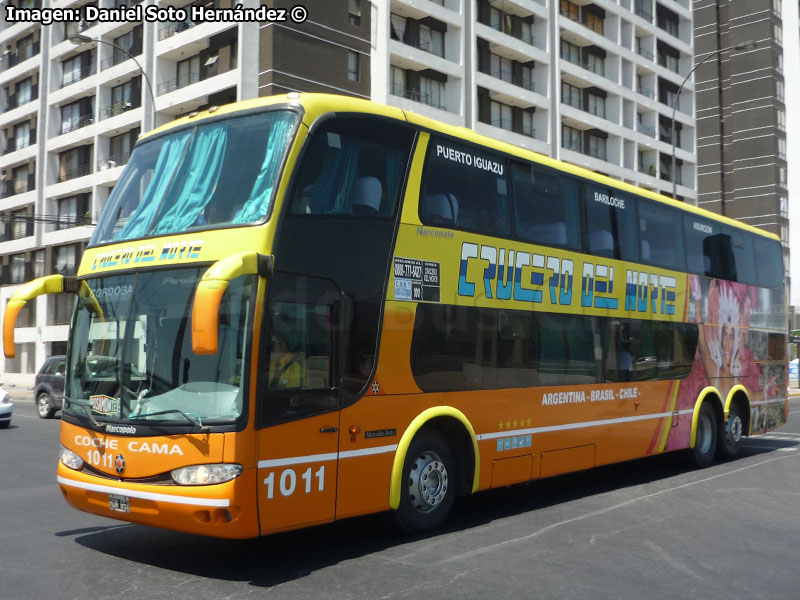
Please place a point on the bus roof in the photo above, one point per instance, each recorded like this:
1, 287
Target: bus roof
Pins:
315, 105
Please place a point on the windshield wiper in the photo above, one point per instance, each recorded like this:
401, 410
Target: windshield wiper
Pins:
193, 419
87, 408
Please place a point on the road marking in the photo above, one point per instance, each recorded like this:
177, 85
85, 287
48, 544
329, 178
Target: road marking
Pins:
493, 547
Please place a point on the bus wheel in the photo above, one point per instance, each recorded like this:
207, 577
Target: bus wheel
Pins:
428, 485
730, 437
705, 443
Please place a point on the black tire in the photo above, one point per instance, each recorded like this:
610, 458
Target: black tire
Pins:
705, 444
429, 484
44, 407
730, 437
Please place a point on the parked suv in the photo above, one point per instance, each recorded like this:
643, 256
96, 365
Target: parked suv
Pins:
49, 388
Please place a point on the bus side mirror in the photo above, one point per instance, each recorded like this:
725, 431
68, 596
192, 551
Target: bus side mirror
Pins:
211, 289
50, 284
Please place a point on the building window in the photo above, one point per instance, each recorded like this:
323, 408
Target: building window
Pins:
354, 13
431, 40
24, 91
20, 177
570, 10
527, 124
121, 147
596, 105
593, 22
668, 57
25, 48
501, 68
782, 176
779, 91
668, 21
780, 116
38, 263
570, 94
597, 147
122, 97
64, 260
502, 116
778, 34
784, 207
595, 63
398, 81
432, 92
570, 52
782, 148
127, 47
22, 135
570, 138
67, 213
17, 269
399, 24
353, 63
20, 227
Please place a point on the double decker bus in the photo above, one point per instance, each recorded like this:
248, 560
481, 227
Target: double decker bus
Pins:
309, 307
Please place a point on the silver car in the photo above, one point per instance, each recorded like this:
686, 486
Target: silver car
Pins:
5, 408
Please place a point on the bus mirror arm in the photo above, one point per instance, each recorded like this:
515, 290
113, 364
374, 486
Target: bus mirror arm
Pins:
50, 284
211, 289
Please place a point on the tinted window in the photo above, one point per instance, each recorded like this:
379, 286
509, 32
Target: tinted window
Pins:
352, 167
660, 235
464, 188
769, 255
466, 348
545, 206
742, 250
696, 230
610, 222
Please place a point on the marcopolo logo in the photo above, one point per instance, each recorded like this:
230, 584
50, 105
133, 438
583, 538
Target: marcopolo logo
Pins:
124, 429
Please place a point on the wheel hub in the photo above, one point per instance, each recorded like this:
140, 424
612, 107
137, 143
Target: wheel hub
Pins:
427, 483
734, 429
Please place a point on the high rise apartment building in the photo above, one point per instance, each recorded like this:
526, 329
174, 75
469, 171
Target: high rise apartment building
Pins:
741, 113
592, 83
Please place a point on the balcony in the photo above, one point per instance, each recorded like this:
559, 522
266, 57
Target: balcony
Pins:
175, 84
14, 101
74, 173
645, 53
118, 58
646, 91
169, 29
648, 131
12, 59
71, 77
112, 162
76, 123
509, 78
13, 145
415, 95
117, 109
573, 145
647, 170
18, 186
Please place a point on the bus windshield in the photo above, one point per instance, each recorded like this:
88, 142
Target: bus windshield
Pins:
218, 173
134, 362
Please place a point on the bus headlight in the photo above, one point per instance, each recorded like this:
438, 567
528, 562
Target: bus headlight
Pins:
70, 459
206, 474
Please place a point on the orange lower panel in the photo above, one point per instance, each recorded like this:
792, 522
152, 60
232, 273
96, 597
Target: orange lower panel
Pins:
238, 519
508, 471
556, 462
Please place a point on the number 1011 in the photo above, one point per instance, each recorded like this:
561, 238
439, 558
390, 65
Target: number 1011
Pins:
287, 483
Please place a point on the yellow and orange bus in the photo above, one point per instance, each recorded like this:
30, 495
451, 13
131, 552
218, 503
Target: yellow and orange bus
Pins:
309, 307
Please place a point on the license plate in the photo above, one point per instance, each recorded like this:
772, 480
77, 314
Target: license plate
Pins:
119, 503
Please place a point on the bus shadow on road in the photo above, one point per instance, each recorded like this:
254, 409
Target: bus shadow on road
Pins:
286, 557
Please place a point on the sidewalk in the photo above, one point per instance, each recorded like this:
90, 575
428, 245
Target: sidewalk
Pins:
17, 380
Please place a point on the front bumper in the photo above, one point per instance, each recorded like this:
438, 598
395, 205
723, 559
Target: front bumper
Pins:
227, 510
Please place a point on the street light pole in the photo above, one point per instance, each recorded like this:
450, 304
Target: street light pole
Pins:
80, 40
750, 45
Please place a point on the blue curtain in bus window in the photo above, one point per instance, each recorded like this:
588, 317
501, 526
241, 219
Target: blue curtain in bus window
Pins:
257, 206
197, 182
168, 160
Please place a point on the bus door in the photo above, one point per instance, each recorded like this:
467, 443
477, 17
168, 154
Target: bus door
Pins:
299, 405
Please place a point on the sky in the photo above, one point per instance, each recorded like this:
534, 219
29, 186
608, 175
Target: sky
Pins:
791, 72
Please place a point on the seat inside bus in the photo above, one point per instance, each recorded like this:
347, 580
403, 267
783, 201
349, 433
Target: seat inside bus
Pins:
440, 209
366, 199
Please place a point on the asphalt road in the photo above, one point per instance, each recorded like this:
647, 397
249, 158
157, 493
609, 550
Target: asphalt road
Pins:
651, 529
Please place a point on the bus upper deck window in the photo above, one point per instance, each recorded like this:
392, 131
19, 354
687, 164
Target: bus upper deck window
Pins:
352, 167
